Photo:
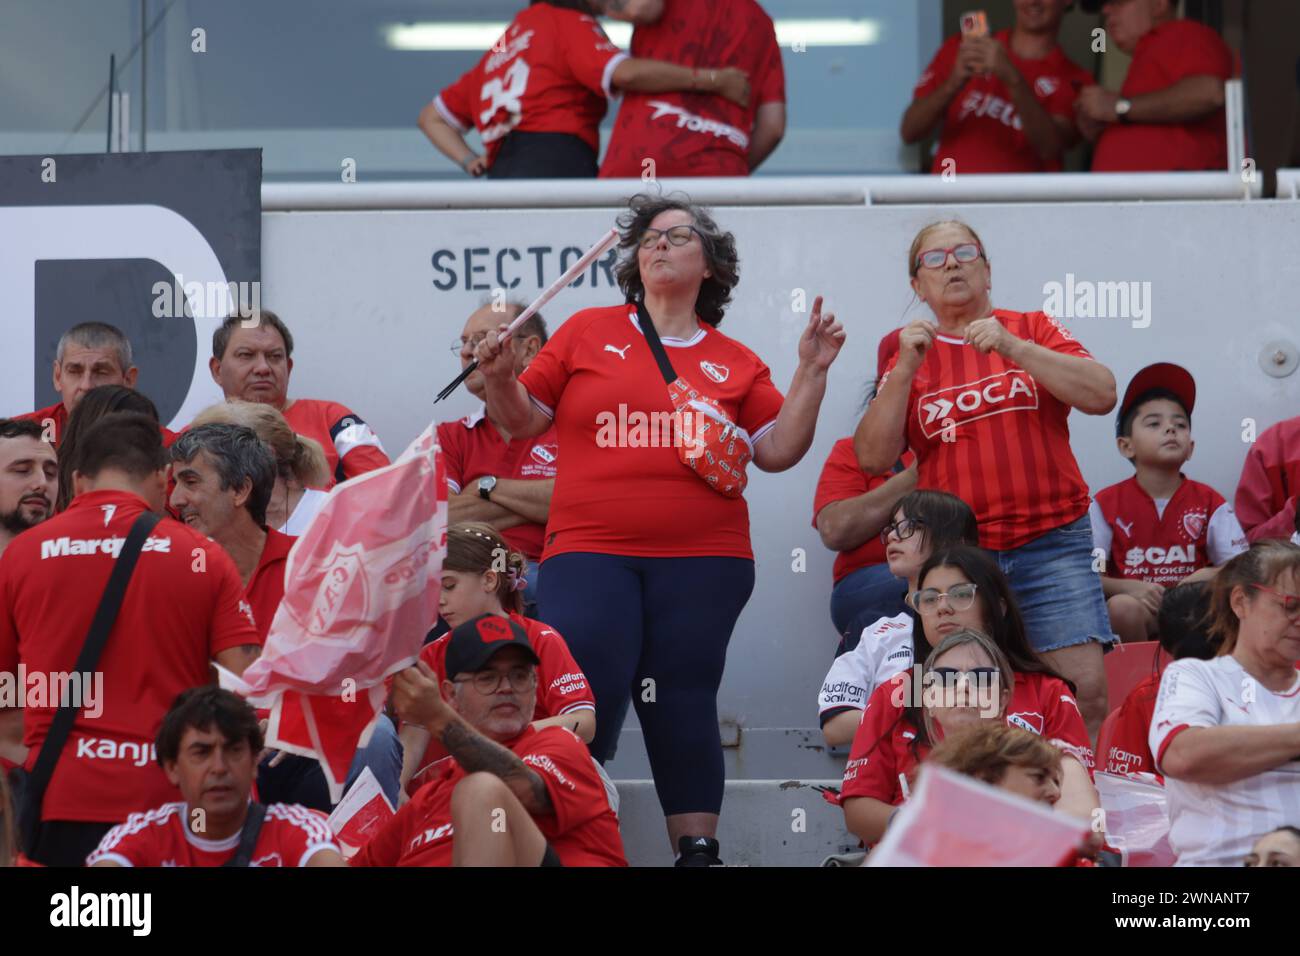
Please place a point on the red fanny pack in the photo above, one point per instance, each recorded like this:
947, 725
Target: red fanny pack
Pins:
707, 441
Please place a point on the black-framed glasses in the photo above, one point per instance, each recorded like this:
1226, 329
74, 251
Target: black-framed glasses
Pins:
471, 343
677, 236
1290, 603
902, 530
935, 258
960, 597
487, 682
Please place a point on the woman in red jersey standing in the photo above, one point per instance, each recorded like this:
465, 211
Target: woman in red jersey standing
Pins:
982, 397
647, 563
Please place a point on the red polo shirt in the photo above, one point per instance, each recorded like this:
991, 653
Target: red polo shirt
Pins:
472, 448
181, 609
57, 415
1167, 53
265, 589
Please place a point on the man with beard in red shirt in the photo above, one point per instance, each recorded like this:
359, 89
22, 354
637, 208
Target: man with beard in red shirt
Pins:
509, 795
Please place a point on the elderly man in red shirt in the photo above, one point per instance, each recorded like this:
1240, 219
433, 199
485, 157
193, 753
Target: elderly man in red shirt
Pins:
252, 358
1168, 115
1006, 101
494, 476
88, 354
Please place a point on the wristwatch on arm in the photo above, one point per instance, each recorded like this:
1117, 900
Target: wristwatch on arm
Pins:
485, 486
1122, 107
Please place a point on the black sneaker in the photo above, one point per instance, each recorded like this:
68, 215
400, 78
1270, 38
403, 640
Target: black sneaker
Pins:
698, 851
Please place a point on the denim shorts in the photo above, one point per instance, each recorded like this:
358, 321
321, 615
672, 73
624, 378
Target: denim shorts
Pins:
1057, 589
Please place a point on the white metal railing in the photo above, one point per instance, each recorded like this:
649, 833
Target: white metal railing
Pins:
763, 191
1288, 184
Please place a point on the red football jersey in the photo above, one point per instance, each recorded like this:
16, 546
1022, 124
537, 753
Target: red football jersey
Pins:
472, 448
697, 134
265, 588
550, 72
984, 430
881, 758
982, 130
351, 447
57, 415
1270, 481
583, 829
843, 478
290, 836
1197, 529
1170, 52
1128, 750
181, 609
598, 380
562, 687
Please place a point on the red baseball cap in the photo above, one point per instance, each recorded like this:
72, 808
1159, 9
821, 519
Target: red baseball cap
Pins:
474, 643
1165, 375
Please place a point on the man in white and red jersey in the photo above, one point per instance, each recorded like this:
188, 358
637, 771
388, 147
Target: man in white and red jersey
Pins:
689, 133
1168, 115
1005, 102
1270, 482
493, 477
538, 96
184, 593
1159, 527
208, 746
252, 358
509, 795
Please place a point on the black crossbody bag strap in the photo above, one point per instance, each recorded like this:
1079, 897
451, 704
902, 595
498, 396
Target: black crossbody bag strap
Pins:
248, 836
109, 604
657, 347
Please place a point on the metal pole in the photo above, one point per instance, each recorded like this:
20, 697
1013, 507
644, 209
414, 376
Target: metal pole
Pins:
144, 75
112, 71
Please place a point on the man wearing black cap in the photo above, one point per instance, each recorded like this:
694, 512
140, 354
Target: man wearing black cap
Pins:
509, 795
1158, 528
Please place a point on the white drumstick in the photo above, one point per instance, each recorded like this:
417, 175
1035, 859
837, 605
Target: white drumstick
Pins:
554, 288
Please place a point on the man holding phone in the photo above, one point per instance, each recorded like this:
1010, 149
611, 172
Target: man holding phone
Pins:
1005, 101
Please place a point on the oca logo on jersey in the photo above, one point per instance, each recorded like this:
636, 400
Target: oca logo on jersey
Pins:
1013, 390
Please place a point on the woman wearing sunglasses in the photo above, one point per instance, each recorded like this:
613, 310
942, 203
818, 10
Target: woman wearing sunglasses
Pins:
982, 396
961, 588
923, 522
1226, 731
647, 562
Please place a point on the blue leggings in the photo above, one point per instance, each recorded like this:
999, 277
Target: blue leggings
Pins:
629, 621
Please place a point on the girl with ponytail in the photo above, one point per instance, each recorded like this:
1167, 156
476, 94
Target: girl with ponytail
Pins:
482, 575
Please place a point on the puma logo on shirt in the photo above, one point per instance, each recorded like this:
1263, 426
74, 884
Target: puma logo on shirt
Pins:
619, 352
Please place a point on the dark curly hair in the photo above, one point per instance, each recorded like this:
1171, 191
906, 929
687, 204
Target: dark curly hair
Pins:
719, 252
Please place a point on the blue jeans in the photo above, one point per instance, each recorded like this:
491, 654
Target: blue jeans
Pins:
301, 780
1057, 589
862, 597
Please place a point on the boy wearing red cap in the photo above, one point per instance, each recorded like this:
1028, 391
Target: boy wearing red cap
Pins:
1158, 528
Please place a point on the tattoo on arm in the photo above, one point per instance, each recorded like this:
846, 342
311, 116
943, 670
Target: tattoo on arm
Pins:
476, 753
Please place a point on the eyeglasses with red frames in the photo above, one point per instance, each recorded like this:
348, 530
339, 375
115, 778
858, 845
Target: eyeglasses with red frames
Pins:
1290, 602
935, 258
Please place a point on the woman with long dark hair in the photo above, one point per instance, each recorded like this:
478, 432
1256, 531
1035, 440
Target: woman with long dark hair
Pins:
961, 588
647, 562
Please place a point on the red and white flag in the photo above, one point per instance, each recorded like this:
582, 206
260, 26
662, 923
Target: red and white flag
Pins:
361, 592
955, 820
1137, 818
361, 814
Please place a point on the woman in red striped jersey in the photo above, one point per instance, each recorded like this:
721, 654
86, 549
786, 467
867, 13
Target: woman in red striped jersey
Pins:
982, 396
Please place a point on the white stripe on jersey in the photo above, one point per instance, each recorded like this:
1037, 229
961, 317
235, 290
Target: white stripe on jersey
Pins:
356, 435
452, 120
158, 816
1217, 824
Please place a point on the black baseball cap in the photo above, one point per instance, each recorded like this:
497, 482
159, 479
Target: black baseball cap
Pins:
1162, 375
473, 644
